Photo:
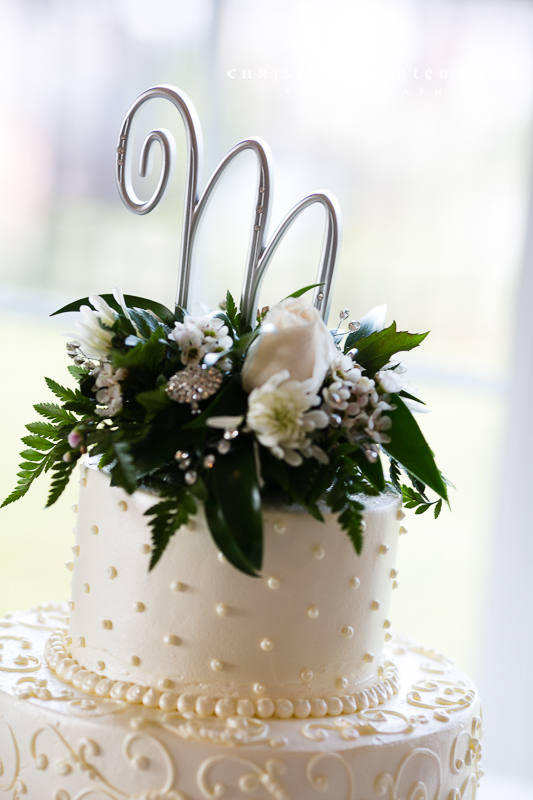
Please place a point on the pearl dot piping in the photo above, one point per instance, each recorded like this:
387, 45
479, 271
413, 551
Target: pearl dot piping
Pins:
267, 644
312, 612
57, 654
273, 583
318, 552
221, 609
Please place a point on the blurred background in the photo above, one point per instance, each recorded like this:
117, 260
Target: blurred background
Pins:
417, 114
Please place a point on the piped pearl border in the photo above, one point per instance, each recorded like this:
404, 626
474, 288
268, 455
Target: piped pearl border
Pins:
68, 669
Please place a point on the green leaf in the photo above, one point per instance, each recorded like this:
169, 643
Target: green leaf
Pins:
144, 322
410, 449
154, 400
37, 442
132, 301
123, 472
374, 320
32, 455
77, 372
232, 312
167, 517
60, 391
44, 429
377, 349
437, 509
85, 407
373, 472
403, 393
394, 472
300, 292
61, 476
55, 413
351, 520
146, 356
233, 509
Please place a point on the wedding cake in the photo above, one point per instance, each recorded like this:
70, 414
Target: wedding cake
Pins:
228, 631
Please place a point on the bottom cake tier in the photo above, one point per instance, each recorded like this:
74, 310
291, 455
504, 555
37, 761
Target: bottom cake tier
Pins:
57, 742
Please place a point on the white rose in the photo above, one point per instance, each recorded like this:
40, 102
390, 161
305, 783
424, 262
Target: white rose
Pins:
292, 337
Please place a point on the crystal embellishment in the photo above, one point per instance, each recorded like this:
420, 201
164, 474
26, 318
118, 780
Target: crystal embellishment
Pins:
193, 384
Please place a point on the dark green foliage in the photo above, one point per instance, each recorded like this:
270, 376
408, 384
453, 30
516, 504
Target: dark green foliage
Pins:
147, 440
409, 448
395, 475
376, 350
305, 289
369, 323
166, 517
132, 301
414, 499
233, 507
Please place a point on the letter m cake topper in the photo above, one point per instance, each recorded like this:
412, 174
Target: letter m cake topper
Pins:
260, 248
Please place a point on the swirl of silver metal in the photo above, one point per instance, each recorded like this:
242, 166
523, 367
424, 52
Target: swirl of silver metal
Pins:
193, 132
260, 252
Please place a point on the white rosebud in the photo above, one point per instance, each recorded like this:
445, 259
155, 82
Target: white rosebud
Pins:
389, 381
293, 337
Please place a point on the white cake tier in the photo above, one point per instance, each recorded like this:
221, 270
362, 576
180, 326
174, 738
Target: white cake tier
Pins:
57, 743
311, 629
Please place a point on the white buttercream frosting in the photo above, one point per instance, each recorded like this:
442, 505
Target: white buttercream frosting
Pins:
217, 633
57, 741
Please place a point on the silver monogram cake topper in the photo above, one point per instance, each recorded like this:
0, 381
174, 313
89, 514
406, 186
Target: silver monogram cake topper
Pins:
260, 248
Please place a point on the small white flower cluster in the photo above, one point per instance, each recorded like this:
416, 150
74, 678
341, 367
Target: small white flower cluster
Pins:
197, 336
357, 403
279, 413
107, 384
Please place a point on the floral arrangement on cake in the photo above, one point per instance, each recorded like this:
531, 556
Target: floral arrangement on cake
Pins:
208, 410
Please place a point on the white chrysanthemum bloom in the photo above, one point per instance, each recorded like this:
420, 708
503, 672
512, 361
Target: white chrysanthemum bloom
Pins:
280, 416
197, 336
109, 393
94, 339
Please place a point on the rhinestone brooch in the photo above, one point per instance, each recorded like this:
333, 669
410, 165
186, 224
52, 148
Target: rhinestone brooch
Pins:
193, 384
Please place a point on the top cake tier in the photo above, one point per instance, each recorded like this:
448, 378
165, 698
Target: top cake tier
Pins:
311, 628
